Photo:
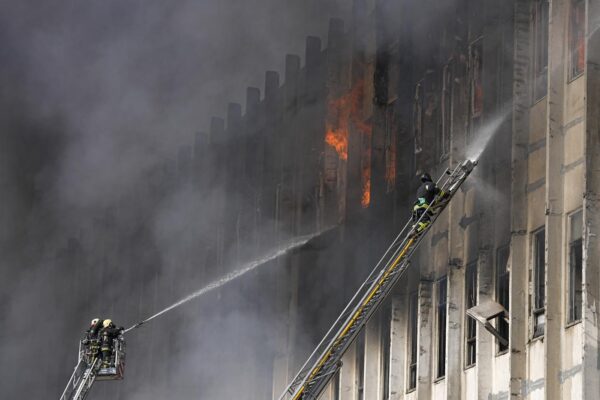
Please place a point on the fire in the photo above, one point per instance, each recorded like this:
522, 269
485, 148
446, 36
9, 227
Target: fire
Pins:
338, 139
366, 188
345, 112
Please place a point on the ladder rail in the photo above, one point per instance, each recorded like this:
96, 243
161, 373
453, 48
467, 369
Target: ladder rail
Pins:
396, 259
371, 278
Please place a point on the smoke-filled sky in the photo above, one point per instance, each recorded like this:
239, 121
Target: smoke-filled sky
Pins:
93, 96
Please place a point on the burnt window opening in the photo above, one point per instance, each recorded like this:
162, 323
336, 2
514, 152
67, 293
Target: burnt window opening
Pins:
539, 283
471, 328
442, 292
502, 293
418, 107
360, 366
386, 344
475, 87
412, 340
539, 17
577, 39
447, 109
575, 282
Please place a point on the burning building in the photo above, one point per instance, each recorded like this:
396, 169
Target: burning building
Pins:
336, 146
419, 86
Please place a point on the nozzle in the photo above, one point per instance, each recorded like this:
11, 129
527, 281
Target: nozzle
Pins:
468, 165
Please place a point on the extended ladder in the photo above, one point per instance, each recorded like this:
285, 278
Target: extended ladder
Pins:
89, 369
81, 381
325, 361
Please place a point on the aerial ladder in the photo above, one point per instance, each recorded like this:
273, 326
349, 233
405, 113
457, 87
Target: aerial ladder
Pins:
89, 369
325, 361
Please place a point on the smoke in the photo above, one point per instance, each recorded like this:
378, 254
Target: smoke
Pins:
244, 269
95, 220
484, 135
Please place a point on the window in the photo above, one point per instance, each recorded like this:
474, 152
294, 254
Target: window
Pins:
502, 293
540, 47
476, 86
441, 327
471, 301
418, 107
575, 266
447, 95
539, 282
577, 38
360, 366
386, 344
412, 340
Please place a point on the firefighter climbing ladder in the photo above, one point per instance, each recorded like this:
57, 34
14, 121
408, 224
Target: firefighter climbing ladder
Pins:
325, 361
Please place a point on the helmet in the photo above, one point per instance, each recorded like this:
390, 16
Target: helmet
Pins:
425, 177
107, 323
94, 321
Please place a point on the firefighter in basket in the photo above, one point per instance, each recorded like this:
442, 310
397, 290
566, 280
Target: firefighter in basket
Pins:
91, 340
107, 335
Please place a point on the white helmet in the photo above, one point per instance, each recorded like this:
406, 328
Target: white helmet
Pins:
94, 321
107, 323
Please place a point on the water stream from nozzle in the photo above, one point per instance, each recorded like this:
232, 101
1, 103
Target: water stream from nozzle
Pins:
484, 135
285, 248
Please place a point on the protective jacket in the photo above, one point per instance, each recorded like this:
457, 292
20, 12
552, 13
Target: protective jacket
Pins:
427, 192
92, 333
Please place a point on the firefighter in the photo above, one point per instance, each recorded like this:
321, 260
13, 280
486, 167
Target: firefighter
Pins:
108, 334
91, 340
425, 196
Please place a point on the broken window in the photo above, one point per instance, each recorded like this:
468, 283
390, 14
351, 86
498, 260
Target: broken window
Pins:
539, 282
442, 291
360, 366
471, 301
412, 340
447, 95
577, 38
575, 266
476, 86
418, 107
386, 343
540, 43
502, 293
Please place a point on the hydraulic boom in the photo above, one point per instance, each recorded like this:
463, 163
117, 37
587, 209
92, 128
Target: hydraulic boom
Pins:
325, 361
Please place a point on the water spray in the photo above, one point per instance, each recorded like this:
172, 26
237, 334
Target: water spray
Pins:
484, 135
293, 244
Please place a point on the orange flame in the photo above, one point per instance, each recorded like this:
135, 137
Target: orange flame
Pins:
366, 188
338, 139
342, 112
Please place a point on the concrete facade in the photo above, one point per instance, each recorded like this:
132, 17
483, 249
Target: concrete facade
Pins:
515, 86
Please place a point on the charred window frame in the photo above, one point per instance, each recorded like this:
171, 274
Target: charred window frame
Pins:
471, 323
413, 340
475, 87
386, 344
576, 39
418, 111
502, 293
538, 309
539, 21
442, 296
575, 282
360, 366
447, 110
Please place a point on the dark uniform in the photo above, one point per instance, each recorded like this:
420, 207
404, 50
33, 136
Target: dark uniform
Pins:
107, 336
92, 341
426, 193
